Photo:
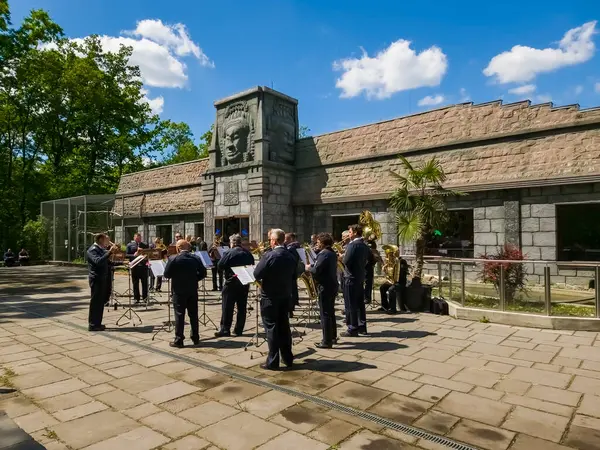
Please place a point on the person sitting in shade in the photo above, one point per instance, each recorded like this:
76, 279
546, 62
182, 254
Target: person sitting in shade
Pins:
23, 257
9, 258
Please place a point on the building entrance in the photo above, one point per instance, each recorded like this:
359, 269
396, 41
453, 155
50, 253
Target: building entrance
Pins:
227, 226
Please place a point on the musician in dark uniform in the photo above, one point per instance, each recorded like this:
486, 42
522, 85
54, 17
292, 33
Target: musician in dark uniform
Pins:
99, 277
396, 294
292, 245
234, 292
185, 270
370, 272
140, 272
324, 272
275, 272
355, 261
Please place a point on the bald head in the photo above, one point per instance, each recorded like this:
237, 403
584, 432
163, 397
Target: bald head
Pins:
182, 244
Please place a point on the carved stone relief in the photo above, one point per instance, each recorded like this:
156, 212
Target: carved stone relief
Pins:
282, 133
231, 195
236, 134
255, 219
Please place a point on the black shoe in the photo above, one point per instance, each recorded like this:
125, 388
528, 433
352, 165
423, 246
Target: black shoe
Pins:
266, 367
336, 340
222, 334
392, 313
381, 309
176, 344
322, 345
196, 341
96, 328
348, 334
291, 314
362, 331
238, 333
367, 302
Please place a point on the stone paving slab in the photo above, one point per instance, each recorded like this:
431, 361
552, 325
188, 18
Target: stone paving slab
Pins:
490, 386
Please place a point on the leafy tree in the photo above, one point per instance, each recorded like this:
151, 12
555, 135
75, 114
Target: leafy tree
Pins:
35, 238
515, 274
304, 132
179, 140
419, 204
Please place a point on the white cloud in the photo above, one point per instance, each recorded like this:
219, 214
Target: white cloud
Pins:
544, 98
156, 104
431, 100
578, 90
526, 89
158, 50
522, 64
464, 96
395, 69
597, 88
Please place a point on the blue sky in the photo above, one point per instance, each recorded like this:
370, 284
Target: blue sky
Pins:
193, 52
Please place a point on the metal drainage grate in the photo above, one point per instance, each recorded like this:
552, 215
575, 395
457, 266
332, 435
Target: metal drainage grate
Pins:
403, 428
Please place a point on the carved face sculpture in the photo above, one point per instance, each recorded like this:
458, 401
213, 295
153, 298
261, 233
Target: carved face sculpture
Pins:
236, 142
284, 138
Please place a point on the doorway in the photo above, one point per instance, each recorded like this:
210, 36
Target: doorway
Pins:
228, 226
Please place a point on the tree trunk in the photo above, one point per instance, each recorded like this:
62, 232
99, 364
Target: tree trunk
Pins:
420, 257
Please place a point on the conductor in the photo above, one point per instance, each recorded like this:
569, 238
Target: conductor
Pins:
234, 292
99, 278
185, 270
276, 272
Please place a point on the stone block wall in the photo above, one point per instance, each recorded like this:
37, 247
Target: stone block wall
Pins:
488, 229
538, 231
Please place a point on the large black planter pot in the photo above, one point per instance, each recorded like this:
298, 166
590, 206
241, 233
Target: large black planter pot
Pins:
418, 298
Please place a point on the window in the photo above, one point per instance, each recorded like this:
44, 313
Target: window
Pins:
341, 224
226, 227
165, 233
129, 233
577, 234
455, 238
199, 230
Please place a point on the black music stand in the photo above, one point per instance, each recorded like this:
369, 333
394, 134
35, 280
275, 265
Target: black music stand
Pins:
129, 311
256, 340
167, 326
203, 319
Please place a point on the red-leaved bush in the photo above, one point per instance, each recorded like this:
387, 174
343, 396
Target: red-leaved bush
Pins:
515, 275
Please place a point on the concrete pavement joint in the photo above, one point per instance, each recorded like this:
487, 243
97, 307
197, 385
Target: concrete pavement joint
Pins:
401, 427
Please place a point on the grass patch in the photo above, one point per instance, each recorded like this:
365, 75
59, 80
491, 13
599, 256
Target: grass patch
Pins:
51, 434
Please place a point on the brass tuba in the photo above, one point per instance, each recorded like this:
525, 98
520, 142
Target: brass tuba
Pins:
391, 266
371, 227
311, 285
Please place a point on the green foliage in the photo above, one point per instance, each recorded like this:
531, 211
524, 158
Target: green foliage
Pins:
178, 139
419, 204
304, 132
515, 274
72, 120
35, 239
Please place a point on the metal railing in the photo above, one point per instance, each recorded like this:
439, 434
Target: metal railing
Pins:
545, 289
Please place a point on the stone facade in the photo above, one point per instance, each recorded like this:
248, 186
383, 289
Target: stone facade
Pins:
515, 161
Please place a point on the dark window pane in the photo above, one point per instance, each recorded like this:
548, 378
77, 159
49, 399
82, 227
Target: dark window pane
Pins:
455, 238
199, 230
577, 234
341, 224
164, 232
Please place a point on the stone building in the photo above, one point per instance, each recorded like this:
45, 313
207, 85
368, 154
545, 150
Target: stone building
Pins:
531, 172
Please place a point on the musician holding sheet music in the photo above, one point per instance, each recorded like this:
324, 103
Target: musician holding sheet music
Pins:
234, 292
139, 273
185, 270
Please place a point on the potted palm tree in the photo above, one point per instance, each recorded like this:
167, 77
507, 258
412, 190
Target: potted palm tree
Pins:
420, 207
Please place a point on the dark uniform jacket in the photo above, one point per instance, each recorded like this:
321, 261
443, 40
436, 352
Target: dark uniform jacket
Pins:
324, 271
403, 273
235, 257
98, 262
276, 271
132, 247
355, 260
9, 256
185, 270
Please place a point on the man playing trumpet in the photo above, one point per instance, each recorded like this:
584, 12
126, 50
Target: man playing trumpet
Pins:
99, 278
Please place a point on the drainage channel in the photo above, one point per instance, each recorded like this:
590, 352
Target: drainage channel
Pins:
403, 428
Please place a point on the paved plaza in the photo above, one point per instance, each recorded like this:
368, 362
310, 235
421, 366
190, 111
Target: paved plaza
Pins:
486, 385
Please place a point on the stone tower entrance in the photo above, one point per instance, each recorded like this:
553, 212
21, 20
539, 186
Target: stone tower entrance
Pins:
251, 163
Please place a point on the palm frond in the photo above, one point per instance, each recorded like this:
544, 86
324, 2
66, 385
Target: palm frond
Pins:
433, 172
407, 165
402, 200
410, 226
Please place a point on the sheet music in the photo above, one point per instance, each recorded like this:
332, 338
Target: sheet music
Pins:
312, 255
302, 254
157, 267
136, 261
245, 274
203, 255
221, 251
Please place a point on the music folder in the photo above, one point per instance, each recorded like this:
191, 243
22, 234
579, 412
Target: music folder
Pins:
136, 261
312, 255
158, 267
222, 250
205, 258
302, 254
245, 274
